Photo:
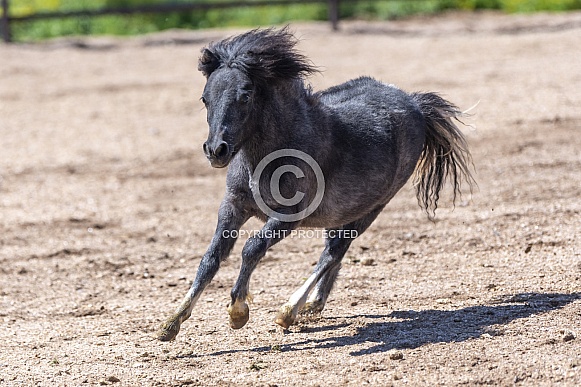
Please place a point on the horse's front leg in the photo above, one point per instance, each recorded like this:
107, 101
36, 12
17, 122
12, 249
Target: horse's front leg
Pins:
253, 251
230, 219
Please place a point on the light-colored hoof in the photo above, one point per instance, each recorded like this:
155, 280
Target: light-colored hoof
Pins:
239, 314
169, 329
285, 317
312, 308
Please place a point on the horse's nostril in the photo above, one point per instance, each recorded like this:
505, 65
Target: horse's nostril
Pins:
221, 150
205, 148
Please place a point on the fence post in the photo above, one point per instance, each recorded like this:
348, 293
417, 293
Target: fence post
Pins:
5, 22
334, 14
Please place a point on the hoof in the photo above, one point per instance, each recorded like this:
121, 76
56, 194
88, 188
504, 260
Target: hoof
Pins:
169, 329
239, 314
285, 317
312, 308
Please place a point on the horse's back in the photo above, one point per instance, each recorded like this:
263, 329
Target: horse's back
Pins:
368, 95
377, 133
377, 115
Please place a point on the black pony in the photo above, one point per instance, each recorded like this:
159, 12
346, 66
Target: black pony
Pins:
331, 159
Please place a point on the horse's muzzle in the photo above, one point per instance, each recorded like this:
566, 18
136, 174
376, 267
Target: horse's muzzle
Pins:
218, 153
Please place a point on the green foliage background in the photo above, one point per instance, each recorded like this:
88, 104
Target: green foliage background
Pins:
250, 16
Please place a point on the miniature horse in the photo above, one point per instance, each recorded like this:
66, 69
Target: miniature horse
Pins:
348, 150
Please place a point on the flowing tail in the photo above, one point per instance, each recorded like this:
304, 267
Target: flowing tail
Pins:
445, 154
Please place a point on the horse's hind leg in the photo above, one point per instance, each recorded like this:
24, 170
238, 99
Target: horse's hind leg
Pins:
326, 271
318, 298
329, 262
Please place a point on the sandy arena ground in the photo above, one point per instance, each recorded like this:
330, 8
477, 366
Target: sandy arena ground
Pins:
107, 204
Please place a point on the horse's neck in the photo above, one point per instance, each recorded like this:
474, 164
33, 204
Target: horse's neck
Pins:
275, 124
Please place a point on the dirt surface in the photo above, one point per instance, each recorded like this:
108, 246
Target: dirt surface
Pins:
107, 204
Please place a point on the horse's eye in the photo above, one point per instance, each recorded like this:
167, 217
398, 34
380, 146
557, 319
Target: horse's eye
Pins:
204, 101
244, 97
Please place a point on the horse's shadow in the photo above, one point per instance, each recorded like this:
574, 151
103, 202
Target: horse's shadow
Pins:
412, 329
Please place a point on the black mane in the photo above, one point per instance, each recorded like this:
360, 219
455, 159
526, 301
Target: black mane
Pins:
266, 55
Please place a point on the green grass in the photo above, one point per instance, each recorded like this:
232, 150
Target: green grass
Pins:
250, 16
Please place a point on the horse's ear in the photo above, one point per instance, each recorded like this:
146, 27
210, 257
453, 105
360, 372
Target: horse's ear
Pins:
208, 62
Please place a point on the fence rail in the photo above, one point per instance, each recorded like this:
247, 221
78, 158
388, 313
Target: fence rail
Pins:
158, 8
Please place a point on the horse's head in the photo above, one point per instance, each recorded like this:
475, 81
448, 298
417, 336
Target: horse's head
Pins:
228, 97
238, 70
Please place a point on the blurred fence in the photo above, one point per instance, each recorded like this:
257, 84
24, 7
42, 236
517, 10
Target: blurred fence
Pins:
7, 19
